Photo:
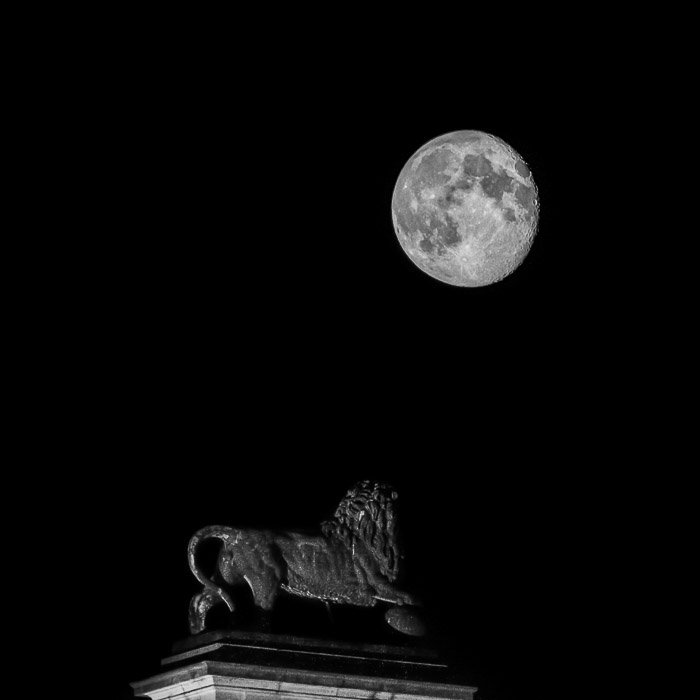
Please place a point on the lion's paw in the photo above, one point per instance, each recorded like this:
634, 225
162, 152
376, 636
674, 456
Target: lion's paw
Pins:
405, 621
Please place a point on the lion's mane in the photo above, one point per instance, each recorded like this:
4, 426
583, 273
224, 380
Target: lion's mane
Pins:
368, 513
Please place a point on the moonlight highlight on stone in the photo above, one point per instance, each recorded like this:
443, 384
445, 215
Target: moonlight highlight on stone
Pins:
465, 209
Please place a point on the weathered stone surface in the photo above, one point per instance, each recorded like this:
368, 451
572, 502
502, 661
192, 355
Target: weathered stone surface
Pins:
211, 680
256, 666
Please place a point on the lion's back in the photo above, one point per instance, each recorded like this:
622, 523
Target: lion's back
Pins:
249, 550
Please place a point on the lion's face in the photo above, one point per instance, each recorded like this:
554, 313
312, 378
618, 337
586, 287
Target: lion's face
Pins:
370, 510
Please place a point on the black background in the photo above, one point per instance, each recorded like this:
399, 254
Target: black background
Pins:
258, 341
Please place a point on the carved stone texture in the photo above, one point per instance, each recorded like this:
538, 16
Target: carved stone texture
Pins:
353, 559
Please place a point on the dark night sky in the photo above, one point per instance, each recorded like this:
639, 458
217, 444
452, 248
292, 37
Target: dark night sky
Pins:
261, 342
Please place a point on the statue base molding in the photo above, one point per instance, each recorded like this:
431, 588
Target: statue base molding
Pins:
237, 665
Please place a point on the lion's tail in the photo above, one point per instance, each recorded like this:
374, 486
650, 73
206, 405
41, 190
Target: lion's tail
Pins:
220, 532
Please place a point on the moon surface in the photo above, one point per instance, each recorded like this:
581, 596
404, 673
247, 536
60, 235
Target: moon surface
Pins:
465, 209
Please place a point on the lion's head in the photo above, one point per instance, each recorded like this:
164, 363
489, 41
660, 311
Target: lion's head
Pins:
368, 511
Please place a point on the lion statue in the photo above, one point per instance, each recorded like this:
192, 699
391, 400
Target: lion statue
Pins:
354, 559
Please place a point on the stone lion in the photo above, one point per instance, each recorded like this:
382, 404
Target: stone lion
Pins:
354, 559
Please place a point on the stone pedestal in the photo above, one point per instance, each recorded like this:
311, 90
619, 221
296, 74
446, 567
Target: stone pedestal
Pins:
252, 666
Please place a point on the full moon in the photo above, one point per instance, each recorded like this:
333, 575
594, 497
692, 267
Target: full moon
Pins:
465, 209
